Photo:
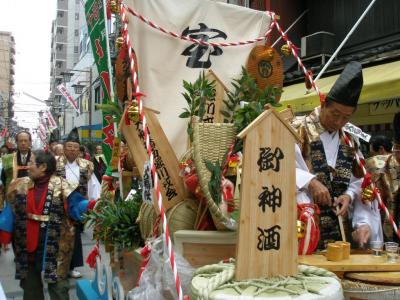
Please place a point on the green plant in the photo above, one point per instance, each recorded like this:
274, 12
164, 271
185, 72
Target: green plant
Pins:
115, 222
247, 90
196, 96
214, 184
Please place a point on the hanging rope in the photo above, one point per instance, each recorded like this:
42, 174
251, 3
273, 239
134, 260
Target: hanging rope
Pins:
201, 42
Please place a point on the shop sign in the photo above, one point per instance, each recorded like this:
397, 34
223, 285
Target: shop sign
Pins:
384, 107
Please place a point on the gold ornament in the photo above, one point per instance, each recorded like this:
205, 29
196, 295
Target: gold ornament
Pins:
301, 231
269, 53
119, 42
286, 50
368, 194
133, 112
114, 7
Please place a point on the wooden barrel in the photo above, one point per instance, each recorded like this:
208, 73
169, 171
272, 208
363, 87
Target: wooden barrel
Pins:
371, 285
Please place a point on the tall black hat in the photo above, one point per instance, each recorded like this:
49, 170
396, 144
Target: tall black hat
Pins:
53, 136
347, 87
396, 128
73, 136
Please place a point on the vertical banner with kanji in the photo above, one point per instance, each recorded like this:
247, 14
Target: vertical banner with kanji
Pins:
96, 22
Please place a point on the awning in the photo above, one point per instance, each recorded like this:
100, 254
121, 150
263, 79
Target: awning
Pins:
380, 82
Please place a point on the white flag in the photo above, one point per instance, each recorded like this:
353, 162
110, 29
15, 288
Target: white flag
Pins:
164, 61
52, 122
64, 92
44, 123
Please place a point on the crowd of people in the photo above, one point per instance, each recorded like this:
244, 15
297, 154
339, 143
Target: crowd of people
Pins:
44, 195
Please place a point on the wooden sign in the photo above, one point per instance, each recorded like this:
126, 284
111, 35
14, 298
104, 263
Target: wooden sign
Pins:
267, 242
213, 106
167, 165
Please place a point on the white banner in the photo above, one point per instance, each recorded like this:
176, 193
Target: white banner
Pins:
52, 122
64, 92
43, 122
42, 132
164, 61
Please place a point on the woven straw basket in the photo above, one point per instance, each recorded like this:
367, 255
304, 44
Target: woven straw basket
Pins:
180, 217
361, 290
211, 142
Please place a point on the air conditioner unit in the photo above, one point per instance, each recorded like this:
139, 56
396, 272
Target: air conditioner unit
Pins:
318, 43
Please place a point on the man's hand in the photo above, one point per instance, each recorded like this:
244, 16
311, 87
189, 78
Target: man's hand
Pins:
361, 235
319, 192
343, 201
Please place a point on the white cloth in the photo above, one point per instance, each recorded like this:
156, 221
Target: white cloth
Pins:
2, 294
23, 158
72, 174
367, 214
360, 213
164, 61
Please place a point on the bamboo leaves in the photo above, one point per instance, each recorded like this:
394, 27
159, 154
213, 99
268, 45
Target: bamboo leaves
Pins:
115, 222
251, 96
196, 96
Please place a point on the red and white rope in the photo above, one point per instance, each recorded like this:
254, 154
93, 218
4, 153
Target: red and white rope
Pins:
167, 238
201, 42
347, 140
293, 48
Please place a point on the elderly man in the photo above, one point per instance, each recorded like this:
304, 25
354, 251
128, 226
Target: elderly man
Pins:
80, 171
326, 171
40, 215
15, 165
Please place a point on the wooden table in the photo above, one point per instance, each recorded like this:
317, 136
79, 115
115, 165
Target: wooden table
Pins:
356, 263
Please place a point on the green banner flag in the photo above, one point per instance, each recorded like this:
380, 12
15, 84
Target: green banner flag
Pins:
97, 28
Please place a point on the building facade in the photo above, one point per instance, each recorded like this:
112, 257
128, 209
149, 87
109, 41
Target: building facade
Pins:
7, 71
65, 52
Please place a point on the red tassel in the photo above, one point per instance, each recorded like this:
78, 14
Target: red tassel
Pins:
108, 10
91, 204
367, 181
5, 237
91, 259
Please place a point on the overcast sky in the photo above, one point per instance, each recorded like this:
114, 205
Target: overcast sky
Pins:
30, 23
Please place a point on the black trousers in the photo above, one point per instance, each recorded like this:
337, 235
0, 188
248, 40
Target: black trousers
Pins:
77, 255
33, 287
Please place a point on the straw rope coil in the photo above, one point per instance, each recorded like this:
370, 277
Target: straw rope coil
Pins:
180, 217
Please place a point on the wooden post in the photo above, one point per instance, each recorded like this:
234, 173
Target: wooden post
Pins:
267, 242
167, 165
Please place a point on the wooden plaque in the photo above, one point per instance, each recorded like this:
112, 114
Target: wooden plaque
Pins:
213, 106
267, 242
167, 165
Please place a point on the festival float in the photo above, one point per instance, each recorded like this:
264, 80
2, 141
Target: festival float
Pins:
204, 134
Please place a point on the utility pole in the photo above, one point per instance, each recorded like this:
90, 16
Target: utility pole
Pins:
90, 104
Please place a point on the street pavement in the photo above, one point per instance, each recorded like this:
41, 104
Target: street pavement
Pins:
7, 269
